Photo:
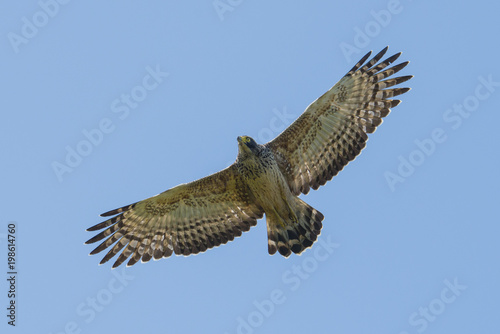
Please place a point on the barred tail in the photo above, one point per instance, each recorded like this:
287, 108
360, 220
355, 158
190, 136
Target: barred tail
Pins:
294, 233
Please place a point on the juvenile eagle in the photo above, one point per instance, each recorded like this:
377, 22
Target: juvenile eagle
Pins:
264, 179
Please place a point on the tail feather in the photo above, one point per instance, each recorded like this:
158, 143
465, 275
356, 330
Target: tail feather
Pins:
295, 233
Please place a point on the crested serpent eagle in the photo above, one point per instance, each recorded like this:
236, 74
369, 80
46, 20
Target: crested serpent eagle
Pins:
265, 179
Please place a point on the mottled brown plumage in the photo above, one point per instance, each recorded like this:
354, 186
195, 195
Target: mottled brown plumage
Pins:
196, 216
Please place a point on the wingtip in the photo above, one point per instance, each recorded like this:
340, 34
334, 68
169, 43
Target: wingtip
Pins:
108, 213
96, 227
93, 252
395, 103
112, 212
117, 211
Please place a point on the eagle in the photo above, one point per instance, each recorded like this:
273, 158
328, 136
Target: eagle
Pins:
265, 178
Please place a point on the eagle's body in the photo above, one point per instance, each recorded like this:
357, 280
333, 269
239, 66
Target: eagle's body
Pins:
265, 179
292, 225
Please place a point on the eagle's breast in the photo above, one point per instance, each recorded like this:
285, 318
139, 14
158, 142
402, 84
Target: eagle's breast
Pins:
264, 177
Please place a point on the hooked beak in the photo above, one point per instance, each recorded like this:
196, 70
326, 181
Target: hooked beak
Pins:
243, 139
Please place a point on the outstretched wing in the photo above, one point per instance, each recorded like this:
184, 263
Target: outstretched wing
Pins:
186, 219
332, 131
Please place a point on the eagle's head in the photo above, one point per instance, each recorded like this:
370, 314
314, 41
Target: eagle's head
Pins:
247, 145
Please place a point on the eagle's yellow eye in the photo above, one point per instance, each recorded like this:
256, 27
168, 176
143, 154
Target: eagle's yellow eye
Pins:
245, 139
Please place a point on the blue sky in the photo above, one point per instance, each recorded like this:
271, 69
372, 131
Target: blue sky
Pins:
410, 239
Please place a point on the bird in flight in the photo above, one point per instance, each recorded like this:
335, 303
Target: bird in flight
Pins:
265, 179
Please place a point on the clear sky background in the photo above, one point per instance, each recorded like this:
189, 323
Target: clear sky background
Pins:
410, 237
